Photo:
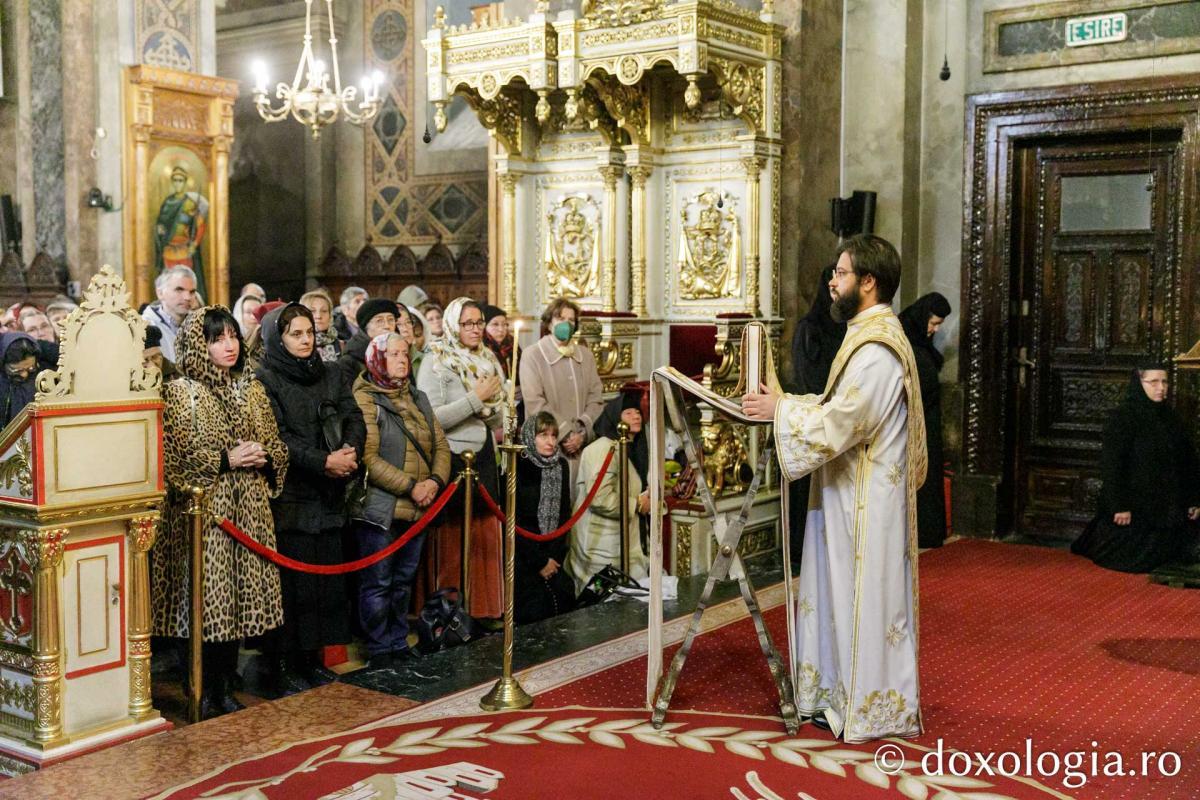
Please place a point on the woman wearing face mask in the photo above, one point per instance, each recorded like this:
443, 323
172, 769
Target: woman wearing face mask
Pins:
219, 433
558, 375
318, 301
921, 321
596, 540
20, 357
541, 586
324, 432
408, 466
1151, 484
463, 381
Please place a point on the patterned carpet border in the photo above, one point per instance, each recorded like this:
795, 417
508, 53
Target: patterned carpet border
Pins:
741, 735
539, 678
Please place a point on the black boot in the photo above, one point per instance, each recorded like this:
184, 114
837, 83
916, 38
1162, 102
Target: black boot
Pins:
285, 680
227, 701
314, 670
210, 696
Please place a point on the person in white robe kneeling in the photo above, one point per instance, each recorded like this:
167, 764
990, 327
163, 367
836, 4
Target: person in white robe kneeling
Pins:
596, 539
863, 441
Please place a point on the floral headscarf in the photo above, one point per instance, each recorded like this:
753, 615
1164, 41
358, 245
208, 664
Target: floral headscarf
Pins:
376, 359
550, 494
470, 365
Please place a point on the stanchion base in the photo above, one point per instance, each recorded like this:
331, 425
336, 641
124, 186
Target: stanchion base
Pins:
506, 695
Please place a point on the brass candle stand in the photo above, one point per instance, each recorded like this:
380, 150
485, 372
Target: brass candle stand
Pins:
508, 694
195, 509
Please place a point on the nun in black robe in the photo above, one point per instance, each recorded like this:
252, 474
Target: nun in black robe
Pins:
1149, 468
815, 342
931, 498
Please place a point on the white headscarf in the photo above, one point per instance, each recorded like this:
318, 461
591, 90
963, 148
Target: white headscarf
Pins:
470, 365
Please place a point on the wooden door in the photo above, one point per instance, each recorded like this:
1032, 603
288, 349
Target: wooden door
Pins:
1090, 301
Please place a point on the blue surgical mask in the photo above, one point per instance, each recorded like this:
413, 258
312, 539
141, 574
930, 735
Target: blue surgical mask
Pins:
563, 331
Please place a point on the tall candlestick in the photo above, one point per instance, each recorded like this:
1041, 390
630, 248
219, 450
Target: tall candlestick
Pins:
512, 373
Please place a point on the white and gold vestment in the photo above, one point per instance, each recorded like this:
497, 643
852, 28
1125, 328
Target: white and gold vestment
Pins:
863, 441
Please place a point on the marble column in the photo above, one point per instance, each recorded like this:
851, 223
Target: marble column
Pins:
79, 127
809, 174
46, 117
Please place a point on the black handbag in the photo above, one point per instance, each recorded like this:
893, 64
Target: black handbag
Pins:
444, 623
606, 582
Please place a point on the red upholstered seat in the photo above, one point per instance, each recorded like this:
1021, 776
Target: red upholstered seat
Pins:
690, 347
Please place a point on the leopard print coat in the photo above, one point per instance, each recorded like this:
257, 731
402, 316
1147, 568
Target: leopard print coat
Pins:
205, 413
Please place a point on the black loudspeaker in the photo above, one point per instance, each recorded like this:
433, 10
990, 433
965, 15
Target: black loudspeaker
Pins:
853, 214
10, 231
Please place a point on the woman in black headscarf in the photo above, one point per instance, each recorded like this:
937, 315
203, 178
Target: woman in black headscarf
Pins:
20, 356
1151, 482
542, 588
324, 432
815, 342
921, 321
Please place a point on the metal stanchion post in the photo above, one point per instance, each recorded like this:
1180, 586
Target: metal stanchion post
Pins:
195, 508
508, 693
468, 477
623, 491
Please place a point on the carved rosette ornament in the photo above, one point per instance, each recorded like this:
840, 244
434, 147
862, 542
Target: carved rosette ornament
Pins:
572, 255
709, 252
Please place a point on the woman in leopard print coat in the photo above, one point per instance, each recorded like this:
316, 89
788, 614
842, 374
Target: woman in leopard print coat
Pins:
219, 433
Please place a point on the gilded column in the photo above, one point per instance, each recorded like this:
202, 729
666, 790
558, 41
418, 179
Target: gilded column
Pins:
639, 175
610, 176
45, 551
142, 531
508, 184
137, 248
221, 144
753, 166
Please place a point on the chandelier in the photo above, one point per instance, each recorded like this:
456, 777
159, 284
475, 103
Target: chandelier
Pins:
315, 104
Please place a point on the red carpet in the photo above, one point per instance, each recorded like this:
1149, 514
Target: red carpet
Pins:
1018, 643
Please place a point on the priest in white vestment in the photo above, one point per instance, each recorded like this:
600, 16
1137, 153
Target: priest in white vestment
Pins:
863, 441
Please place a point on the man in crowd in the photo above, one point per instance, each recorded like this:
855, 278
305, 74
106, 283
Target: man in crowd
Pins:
176, 290
38, 325
345, 316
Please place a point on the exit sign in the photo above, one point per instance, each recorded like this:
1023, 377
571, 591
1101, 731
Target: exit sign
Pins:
1100, 29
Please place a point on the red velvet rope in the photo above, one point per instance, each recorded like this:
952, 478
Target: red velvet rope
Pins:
566, 526
350, 566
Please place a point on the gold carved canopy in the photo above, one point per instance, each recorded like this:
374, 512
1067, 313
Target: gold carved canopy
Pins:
597, 60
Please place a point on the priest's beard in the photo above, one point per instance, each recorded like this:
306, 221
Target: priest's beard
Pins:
845, 306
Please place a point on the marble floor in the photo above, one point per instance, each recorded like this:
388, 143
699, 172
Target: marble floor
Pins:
141, 768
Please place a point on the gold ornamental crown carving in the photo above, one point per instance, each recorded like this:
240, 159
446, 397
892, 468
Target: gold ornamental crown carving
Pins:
709, 257
100, 348
616, 13
572, 257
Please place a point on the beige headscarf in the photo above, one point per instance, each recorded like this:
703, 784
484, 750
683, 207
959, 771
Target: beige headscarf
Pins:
470, 365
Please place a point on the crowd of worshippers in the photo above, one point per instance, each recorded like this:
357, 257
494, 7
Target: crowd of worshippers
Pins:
326, 430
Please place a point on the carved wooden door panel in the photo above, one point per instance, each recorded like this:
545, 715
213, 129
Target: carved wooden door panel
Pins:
1090, 302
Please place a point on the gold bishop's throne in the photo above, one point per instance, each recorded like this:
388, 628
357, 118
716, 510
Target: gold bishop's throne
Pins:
80, 487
